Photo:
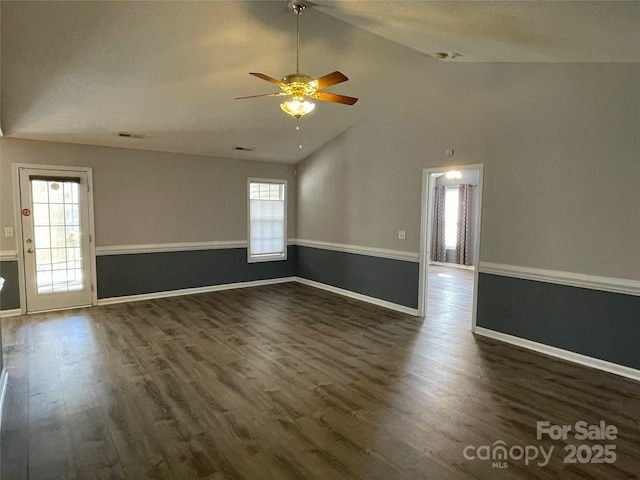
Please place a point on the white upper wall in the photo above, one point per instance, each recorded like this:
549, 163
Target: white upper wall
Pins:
561, 149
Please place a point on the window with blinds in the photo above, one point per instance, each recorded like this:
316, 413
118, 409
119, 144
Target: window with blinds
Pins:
267, 220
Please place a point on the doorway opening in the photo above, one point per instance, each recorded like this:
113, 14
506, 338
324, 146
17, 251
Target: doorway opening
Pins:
450, 243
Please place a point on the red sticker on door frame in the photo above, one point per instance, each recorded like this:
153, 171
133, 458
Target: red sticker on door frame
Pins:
26, 212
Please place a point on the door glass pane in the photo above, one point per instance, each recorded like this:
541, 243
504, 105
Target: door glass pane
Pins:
68, 195
42, 237
73, 236
39, 191
56, 215
40, 214
55, 193
58, 258
68, 214
59, 280
58, 236
43, 256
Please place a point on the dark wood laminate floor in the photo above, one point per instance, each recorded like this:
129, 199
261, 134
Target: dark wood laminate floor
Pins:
291, 382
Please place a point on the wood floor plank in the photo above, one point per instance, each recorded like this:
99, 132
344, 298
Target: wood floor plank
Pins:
291, 382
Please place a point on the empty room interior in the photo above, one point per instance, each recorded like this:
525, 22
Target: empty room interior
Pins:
320, 240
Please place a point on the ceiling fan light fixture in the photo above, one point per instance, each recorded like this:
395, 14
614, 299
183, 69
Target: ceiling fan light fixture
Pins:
297, 108
298, 86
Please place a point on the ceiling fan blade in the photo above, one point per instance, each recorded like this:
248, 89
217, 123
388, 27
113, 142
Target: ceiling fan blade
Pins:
332, 97
262, 95
331, 79
267, 78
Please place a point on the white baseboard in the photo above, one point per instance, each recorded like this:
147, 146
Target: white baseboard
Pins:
10, 313
452, 265
567, 355
359, 296
257, 283
192, 291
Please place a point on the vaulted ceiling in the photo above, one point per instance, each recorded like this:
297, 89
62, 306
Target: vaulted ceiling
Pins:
81, 72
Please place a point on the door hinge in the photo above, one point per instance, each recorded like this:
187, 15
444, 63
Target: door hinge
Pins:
90, 239
92, 288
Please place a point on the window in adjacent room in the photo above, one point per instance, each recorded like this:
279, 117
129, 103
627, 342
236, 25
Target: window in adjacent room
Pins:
267, 220
451, 218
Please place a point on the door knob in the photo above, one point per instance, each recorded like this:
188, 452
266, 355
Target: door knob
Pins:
29, 250
28, 240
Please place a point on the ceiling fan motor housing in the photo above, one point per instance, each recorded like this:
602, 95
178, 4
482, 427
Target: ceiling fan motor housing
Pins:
297, 6
298, 85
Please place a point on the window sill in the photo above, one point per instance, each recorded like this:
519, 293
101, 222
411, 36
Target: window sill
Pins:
266, 258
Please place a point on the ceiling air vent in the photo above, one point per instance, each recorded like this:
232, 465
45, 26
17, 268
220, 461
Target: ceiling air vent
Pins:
130, 135
445, 55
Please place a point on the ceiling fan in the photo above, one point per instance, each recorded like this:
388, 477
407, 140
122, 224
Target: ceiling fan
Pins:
300, 85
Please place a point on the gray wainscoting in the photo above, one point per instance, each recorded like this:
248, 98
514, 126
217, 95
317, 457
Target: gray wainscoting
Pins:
395, 281
595, 323
134, 274
10, 294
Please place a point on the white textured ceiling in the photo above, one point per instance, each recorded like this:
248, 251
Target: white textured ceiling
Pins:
503, 31
81, 72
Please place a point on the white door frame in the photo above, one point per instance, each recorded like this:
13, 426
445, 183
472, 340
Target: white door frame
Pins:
19, 235
426, 221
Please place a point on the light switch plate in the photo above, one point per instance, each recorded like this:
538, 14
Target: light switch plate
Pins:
402, 234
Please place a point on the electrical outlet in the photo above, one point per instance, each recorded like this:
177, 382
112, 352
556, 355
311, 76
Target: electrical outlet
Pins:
506, 310
8, 232
402, 234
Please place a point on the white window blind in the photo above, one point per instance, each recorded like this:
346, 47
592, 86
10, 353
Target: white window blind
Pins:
267, 220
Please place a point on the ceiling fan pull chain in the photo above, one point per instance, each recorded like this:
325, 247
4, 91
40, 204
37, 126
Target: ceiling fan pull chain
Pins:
299, 132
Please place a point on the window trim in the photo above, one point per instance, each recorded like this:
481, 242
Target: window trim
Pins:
267, 257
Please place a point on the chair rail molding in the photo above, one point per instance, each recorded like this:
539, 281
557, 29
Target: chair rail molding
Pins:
593, 282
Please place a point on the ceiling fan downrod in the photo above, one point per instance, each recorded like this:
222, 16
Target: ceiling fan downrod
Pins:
298, 7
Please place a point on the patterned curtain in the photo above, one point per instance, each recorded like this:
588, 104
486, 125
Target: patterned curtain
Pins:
438, 253
463, 248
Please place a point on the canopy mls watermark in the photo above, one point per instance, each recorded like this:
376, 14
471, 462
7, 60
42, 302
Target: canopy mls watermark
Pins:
500, 454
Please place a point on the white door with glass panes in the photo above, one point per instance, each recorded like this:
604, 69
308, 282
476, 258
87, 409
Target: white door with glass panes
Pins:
54, 208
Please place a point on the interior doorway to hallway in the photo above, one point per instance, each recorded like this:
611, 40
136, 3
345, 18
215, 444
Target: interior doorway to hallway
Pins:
450, 243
